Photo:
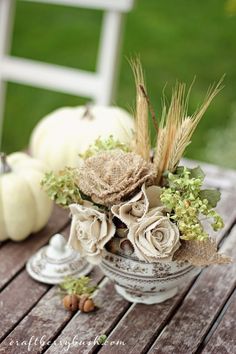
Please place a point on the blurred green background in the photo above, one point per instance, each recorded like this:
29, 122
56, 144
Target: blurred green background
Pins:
175, 40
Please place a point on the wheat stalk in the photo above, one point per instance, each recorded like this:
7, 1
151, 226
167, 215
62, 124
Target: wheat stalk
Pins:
177, 127
142, 141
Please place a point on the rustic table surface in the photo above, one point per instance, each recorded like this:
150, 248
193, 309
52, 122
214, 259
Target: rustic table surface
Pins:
200, 319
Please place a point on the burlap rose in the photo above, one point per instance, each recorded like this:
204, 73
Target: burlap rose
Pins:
110, 177
154, 237
201, 253
90, 231
137, 207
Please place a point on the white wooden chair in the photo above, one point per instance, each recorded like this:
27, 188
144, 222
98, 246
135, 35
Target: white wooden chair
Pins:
98, 86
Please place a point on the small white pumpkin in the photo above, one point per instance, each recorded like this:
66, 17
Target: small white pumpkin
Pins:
61, 136
24, 206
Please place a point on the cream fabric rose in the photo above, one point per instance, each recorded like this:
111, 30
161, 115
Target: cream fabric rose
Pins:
154, 237
137, 207
90, 231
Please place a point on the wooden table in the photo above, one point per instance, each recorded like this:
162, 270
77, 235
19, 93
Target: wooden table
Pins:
200, 319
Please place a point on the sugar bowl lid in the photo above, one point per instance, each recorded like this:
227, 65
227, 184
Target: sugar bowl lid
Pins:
52, 263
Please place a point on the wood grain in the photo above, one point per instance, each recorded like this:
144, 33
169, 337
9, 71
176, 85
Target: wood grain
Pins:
13, 255
200, 307
141, 324
85, 329
41, 324
17, 299
223, 340
226, 208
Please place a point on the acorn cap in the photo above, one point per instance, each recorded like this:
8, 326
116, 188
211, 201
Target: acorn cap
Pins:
52, 263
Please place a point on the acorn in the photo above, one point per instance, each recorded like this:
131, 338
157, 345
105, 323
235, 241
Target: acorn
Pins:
126, 247
71, 302
119, 245
113, 245
86, 304
118, 223
122, 232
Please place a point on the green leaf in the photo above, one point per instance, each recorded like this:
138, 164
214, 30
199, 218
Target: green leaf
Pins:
196, 172
78, 286
212, 195
102, 339
179, 170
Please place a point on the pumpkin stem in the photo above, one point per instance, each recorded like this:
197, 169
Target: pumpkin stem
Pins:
87, 113
4, 167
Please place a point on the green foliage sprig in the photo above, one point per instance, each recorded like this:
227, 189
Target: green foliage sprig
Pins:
77, 286
62, 187
187, 201
104, 145
102, 339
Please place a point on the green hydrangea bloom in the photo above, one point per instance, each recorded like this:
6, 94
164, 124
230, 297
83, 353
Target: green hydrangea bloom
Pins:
188, 202
62, 187
104, 145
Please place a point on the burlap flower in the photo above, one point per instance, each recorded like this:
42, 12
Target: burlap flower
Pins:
137, 207
110, 177
154, 237
90, 231
201, 253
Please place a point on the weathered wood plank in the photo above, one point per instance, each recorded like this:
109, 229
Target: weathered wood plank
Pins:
141, 324
21, 294
41, 324
200, 307
216, 176
82, 331
14, 255
223, 339
17, 299
226, 208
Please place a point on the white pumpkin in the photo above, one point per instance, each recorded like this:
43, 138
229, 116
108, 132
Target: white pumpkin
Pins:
61, 136
24, 206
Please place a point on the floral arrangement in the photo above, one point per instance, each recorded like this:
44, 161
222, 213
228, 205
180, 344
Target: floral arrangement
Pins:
139, 202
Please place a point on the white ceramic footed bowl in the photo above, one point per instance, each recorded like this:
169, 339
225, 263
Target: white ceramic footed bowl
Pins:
148, 283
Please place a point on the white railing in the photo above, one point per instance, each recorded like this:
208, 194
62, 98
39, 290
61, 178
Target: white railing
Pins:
98, 86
